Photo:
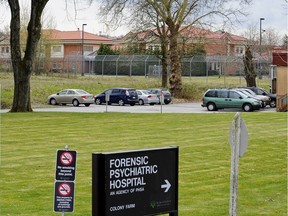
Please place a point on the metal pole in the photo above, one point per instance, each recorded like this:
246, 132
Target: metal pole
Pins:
66, 148
82, 50
260, 49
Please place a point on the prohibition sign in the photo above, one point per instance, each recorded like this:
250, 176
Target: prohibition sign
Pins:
66, 158
64, 189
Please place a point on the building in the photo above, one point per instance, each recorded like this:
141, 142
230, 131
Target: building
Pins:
60, 51
218, 44
64, 49
5, 53
279, 76
214, 43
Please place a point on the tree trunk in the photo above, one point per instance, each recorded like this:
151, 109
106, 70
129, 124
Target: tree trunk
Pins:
22, 68
175, 79
164, 60
250, 74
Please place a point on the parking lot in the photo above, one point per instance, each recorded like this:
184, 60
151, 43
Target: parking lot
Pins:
170, 108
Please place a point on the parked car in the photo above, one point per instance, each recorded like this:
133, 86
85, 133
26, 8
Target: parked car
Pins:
262, 91
71, 96
264, 99
120, 96
146, 97
159, 92
215, 99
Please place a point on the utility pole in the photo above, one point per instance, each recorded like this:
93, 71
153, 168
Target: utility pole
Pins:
260, 49
82, 50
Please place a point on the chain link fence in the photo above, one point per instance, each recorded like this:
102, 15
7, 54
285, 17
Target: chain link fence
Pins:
138, 65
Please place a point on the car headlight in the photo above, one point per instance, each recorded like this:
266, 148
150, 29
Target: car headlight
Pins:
256, 103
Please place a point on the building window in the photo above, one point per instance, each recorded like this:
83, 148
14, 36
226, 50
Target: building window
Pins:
2, 49
7, 49
239, 51
56, 48
154, 47
54, 66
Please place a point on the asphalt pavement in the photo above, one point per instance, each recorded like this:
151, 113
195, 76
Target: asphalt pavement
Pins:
170, 108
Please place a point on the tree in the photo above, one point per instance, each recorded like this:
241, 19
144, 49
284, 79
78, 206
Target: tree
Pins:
249, 72
285, 41
161, 32
106, 50
22, 67
175, 14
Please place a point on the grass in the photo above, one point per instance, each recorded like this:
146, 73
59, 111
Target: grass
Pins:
28, 153
43, 86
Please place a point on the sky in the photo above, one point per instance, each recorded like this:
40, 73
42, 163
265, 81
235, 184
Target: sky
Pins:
274, 12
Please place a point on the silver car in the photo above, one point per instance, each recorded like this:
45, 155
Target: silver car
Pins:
71, 96
264, 99
147, 98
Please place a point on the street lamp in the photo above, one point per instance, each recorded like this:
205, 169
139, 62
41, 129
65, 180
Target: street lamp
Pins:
260, 49
82, 50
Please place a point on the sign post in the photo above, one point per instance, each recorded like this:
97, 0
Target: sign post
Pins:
107, 99
133, 183
161, 101
238, 139
64, 181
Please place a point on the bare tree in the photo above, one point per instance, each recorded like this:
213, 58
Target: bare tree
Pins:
22, 67
176, 14
158, 28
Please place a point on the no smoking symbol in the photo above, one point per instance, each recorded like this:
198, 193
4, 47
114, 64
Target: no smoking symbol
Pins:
66, 158
64, 189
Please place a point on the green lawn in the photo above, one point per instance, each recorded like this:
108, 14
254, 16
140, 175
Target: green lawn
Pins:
29, 142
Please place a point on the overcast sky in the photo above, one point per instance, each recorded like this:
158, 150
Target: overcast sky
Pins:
275, 13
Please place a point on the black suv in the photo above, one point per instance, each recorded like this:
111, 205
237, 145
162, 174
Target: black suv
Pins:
261, 91
120, 96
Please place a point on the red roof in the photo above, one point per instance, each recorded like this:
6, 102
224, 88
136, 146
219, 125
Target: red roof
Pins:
195, 32
54, 34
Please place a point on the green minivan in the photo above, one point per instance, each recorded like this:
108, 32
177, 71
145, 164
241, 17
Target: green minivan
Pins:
215, 99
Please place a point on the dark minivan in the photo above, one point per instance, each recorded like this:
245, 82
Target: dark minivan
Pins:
119, 96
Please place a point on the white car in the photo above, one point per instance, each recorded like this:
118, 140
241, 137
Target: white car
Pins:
71, 96
147, 98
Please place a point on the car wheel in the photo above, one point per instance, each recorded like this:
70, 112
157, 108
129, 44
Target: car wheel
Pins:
273, 104
98, 101
53, 101
121, 102
247, 107
87, 105
211, 107
75, 103
166, 102
141, 102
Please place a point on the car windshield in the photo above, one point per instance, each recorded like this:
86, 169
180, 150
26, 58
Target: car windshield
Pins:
243, 95
132, 91
82, 92
245, 92
165, 92
264, 91
145, 92
250, 91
